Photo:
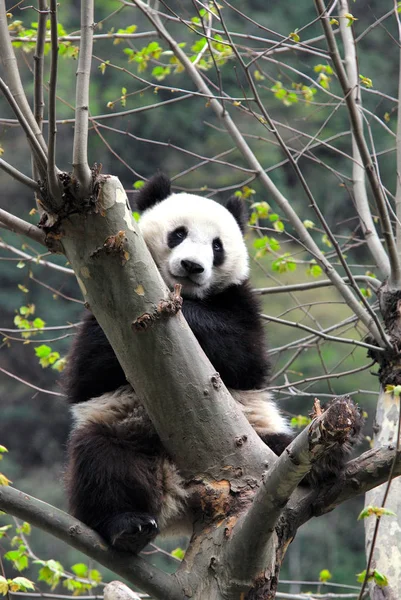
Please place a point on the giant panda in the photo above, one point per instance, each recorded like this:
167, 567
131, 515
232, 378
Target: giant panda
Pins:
120, 480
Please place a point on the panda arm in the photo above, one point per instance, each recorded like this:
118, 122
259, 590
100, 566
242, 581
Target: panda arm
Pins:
229, 329
93, 368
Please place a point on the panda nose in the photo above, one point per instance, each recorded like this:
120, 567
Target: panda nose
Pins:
192, 267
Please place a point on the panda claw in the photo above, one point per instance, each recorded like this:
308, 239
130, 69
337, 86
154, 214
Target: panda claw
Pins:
130, 532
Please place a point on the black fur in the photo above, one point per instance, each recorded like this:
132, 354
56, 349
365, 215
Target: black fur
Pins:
113, 481
118, 474
155, 190
218, 322
238, 210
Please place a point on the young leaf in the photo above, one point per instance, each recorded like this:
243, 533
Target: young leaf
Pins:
377, 511
325, 575
178, 553
80, 570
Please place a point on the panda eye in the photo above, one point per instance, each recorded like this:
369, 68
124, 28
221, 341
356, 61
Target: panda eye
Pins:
177, 236
217, 245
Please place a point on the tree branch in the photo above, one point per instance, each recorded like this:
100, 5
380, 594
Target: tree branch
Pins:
14, 81
38, 152
361, 475
398, 139
358, 172
35, 259
248, 551
52, 180
24, 179
354, 115
305, 237
80, 151
74, 533
192, 404
23, 227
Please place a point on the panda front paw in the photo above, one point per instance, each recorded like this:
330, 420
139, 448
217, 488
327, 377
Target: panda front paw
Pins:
130, 532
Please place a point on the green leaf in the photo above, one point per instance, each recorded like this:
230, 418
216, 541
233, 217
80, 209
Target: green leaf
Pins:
43, 351
360, 577
25, 528
300, 421
22, 584
95, 575
314, 270
4, 529
260, 242
38, 323
4, 480
3, 586
80, 569
138, 184
379, 578
178, 553
325, 575
377, 511
308, 224
3, 449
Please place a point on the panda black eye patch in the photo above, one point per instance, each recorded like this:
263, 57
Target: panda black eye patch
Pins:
218, 252
177, 236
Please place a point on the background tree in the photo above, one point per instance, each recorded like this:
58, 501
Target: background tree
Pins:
274, 110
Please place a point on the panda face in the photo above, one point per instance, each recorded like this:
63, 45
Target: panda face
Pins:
195, 242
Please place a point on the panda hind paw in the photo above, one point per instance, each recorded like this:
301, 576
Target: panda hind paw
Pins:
131, 532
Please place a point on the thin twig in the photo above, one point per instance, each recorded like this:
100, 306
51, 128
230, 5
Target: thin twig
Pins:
31, 385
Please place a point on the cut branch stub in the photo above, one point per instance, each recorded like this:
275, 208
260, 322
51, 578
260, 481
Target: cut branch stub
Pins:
341, 419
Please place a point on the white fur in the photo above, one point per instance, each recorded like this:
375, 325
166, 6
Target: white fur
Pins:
205, 220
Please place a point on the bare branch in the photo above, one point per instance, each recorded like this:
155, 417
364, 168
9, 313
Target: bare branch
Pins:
318, 333
311, 285
285, 206
249, 551
354, 115
31, 385
361, 475
18, 175
398, 148
38, 64
74, 533
37, 150
54, 188
36, 259
20, 226
14, 81
358, 171
80, 157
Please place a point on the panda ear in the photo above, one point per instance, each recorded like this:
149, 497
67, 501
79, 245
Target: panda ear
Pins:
239, 211
156, 189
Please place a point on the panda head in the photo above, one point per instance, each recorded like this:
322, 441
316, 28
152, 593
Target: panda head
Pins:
194, 241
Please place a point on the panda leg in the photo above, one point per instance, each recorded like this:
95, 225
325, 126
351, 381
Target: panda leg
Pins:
115, 482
